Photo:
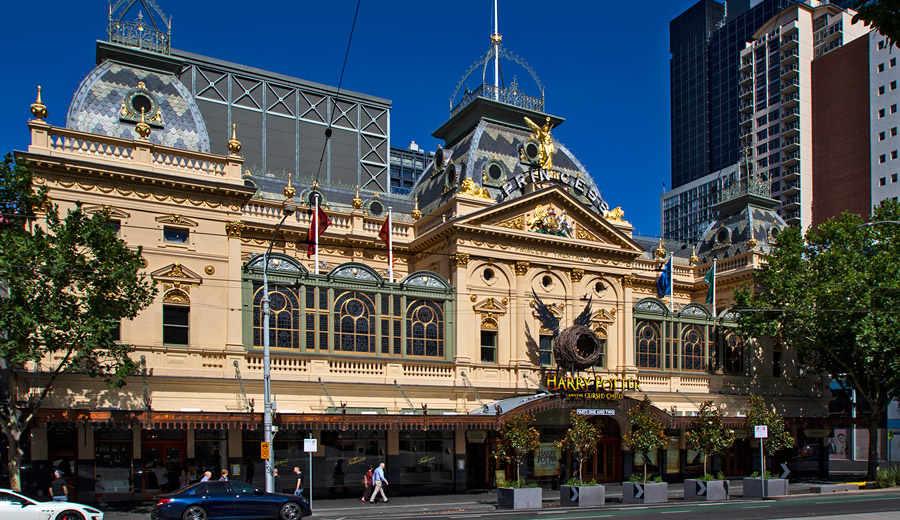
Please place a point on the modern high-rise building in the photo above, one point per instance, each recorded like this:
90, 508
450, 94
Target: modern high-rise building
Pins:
776, 98
705, 43
688, 209
406, 166
855, 122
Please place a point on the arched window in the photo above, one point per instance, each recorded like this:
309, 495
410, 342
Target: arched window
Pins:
693, 347
733, 352
489, 330
284, 326
354, 322
424, 329
648, 344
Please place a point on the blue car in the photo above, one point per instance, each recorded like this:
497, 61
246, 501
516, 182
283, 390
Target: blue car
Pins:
214, 500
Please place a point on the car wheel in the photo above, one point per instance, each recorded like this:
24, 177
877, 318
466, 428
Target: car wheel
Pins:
290, 511
194, 513
70, 515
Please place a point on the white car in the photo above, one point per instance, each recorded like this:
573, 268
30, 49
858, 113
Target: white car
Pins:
14, 506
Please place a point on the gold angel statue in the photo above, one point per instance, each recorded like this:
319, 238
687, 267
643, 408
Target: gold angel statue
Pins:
542, 135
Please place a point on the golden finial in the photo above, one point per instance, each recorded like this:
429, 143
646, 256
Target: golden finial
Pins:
375, 195
357, 202
496, 39
694, 260
661, 250
142, 128
289, 190
315, 184
416, 214
234, 146
752, 242
38, 109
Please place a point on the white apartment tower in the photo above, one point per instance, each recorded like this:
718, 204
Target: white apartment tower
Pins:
776, 97
884, 97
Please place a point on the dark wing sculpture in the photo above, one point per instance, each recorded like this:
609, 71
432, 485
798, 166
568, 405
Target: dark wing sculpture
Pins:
548, 319
584, 319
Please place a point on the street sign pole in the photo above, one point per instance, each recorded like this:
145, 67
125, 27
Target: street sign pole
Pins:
310, 445
762, 467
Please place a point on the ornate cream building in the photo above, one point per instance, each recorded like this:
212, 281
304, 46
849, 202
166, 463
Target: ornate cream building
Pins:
417, 371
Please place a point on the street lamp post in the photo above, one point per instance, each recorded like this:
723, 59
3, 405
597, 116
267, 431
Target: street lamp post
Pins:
289, 209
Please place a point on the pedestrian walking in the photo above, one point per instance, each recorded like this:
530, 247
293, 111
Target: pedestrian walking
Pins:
206, 476
367, 483
379, 482
298, 489
224, 476
99, 489
183, 479
58, 489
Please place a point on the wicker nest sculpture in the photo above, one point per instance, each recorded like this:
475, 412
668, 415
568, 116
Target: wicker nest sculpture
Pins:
575, 348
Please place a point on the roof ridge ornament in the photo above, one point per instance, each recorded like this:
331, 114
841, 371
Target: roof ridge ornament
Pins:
38, 108
153, 33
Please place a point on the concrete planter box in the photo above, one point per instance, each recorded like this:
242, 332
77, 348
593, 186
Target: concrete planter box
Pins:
705, 490
649, 493
775, 487
582, 496
519, 498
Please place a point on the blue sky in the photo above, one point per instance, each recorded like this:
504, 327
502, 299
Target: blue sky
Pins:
604, 65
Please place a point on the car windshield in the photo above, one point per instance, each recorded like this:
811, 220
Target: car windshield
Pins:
12, 498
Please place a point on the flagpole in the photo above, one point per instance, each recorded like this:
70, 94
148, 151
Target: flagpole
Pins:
315, 223
714, 288
390, 248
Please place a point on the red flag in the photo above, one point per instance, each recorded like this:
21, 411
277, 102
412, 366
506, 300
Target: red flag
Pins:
320, 222
385, 234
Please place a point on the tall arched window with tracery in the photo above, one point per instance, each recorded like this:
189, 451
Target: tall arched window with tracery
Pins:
424, 329
354, 322
732, 352
649, 337
284, 317
693, 347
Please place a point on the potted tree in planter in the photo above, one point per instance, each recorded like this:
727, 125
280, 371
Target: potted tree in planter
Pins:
759, 414
517, 439
709, 437
647, 434
582, 438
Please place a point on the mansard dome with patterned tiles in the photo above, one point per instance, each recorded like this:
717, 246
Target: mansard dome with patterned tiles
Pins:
111, 98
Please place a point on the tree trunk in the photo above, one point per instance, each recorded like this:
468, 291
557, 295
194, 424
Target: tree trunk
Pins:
14, 454
704, 464
645, 466
872, 420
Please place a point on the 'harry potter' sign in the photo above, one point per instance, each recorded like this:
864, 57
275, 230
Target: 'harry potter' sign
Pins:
592, 388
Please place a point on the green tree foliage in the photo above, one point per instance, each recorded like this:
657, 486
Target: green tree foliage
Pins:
69, 281
759, 414
647, 432
517, 439
707, 434
884, 15
832, 296
582, 438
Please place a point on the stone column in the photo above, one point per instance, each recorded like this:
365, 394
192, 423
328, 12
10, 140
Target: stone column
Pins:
520, 312
467, 339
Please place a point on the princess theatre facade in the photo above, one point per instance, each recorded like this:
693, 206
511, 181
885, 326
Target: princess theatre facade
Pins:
417, 370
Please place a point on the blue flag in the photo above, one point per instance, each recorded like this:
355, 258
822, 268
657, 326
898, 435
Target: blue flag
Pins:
664, 282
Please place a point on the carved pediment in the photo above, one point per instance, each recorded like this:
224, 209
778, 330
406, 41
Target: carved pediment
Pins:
490, 306
552, 214
111, 212
176, 274
178, 220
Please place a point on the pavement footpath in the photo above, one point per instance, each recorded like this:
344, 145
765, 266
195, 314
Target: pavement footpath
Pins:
422, 506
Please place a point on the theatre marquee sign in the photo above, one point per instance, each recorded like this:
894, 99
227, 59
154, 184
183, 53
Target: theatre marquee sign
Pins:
591, 387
